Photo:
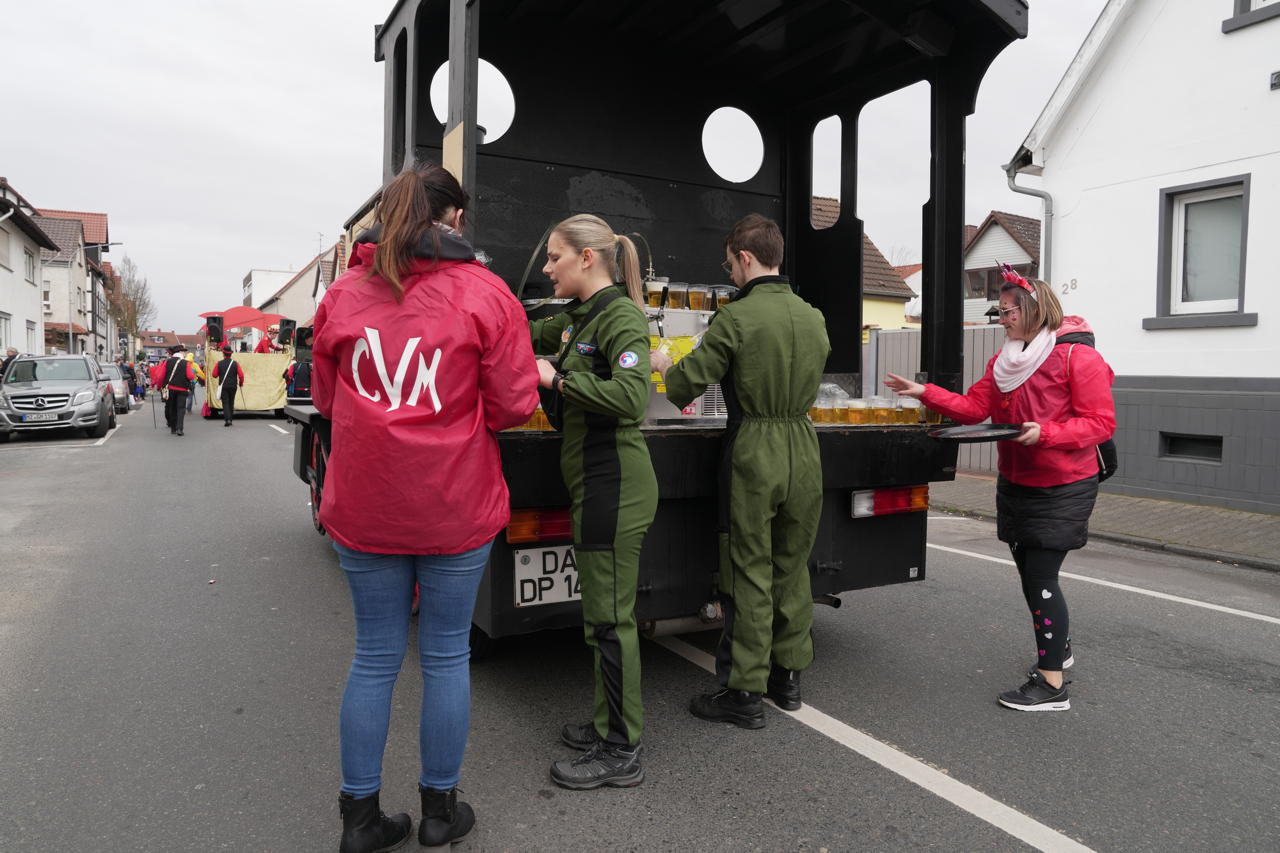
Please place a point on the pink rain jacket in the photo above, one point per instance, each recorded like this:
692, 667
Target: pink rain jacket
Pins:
415, 391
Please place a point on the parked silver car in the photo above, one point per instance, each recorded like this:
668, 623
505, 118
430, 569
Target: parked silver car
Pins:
119, 385
56, 392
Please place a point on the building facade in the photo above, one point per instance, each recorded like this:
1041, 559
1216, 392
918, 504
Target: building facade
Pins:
1165, 185
22, 241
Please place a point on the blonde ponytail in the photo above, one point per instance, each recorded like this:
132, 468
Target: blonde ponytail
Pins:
631, 269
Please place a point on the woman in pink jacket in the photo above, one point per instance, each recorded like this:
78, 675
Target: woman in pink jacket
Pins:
1049, 379
420, 355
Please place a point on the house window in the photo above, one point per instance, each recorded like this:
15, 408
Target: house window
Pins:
986, 283
6, 339
31, 337
1203, 239
44, 298
4, 248
1249, 12
29, 265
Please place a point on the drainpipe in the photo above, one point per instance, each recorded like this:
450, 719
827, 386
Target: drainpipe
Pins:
1021, 159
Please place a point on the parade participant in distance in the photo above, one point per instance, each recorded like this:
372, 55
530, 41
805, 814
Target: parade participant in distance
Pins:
10, 353
1060, 392
603, 380
178, 377
229, 381
767, 347
126, 370
420, 355
200, 377
268, 345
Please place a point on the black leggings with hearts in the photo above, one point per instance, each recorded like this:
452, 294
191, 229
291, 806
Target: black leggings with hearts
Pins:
1038, 568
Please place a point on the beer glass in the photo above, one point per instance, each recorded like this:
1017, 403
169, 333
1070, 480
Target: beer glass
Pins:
881, 411
858, 413
699, 298
678, 296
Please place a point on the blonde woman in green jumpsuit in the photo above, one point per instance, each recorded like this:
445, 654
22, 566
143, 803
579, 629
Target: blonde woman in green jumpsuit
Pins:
604, 381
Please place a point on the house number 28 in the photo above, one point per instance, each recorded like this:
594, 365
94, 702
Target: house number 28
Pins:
1068, 286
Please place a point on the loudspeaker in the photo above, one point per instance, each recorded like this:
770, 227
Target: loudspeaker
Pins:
286, 332
214, 326
302, 337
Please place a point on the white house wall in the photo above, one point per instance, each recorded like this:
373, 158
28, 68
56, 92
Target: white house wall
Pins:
1173, 101
18, 298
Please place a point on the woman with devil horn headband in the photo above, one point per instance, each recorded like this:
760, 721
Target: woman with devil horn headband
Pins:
1060, 393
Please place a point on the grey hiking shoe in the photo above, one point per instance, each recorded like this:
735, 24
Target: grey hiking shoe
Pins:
602, 765
581, 736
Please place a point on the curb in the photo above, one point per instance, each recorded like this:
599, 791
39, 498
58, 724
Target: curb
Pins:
1145, 544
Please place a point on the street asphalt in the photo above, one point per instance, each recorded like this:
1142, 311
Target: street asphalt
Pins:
174, 638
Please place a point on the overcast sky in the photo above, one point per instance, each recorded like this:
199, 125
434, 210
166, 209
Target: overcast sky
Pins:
230, 134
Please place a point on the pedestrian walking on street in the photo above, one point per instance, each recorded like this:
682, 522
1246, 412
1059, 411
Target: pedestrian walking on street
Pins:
179, 377
200, 378
230, 377
1049, 379
10, 354
414, 490
601, 383
767, 348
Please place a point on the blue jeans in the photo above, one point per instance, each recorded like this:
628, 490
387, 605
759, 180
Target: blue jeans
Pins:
382, 594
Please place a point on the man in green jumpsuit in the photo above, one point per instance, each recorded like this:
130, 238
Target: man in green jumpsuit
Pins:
604, 380
767, 348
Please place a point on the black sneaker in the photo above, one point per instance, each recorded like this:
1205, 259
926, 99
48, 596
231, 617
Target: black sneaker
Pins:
784, 688
601, 765
579, 736
1036, 695
740, 707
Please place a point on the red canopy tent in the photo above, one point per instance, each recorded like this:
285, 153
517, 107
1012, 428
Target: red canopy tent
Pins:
243, 317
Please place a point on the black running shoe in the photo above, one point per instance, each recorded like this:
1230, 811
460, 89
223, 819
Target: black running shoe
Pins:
740, 707
784, 688
579, 736
601, 765
1036, 695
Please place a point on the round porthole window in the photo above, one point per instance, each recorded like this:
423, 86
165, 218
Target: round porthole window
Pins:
495, 107
732, 144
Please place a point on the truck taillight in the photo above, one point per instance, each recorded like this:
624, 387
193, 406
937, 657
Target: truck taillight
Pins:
536, 525
889, 501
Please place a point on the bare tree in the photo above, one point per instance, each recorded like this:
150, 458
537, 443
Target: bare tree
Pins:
134, 309
901, 256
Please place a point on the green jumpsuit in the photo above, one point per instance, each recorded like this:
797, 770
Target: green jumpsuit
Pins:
606, 467
767, 348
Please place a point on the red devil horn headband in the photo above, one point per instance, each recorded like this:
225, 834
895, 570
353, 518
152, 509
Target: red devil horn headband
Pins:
1008, 274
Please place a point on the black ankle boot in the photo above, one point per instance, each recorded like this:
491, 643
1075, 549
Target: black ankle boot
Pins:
784, 687
365, 829
444, 819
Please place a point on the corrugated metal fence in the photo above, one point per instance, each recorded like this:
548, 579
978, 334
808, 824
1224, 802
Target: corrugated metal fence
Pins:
899, 352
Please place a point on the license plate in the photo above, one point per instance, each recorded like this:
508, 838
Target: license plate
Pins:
546, 576
42, 416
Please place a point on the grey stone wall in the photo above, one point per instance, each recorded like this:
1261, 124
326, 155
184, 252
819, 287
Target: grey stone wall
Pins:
1245, 413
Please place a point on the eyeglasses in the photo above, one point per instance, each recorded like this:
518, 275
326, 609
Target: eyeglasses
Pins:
1005, 312
727, 266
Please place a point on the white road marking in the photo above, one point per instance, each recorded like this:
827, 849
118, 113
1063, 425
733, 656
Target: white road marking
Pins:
278, 429
110, 433
936, 782
1124, 586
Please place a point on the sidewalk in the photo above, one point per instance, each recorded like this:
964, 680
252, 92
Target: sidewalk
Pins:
1214, 533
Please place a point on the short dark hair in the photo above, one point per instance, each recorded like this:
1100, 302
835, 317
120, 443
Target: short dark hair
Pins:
758, 235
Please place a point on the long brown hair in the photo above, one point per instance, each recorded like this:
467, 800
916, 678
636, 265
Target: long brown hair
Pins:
1035, 314
585, 231
413, 200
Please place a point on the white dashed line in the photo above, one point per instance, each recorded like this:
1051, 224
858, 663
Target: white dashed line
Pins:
972, 800
278, 429
104, 439
1124, 586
